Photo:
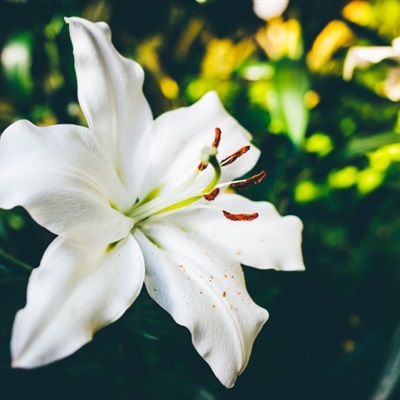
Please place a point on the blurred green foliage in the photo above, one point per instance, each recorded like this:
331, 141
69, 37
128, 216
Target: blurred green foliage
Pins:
332, 152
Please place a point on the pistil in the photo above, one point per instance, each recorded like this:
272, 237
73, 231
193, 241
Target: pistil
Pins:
176, 198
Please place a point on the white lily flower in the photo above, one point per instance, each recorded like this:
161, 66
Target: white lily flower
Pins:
131, 201
362, 56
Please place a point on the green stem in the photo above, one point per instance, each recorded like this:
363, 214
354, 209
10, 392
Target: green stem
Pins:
13, 262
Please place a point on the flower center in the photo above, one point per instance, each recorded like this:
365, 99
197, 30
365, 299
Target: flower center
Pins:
183, 195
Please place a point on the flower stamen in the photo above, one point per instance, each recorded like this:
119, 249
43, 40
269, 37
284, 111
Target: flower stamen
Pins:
212, 195
233, 157
179, 197
202, 166
217, 138
239, 217
253, 180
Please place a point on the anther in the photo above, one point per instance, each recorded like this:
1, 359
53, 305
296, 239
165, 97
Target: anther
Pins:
217, 138
239, 217
253, 180
233, 157
212, 195
202, 166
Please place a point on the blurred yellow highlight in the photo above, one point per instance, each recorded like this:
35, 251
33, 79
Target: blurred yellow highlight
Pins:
368, 180
169, 88
394, 152
333, 37
385, 16
306, 191
379, 159
281, 39
223, 57
319, 143
343, 178
359, 12
311, 99
258, 93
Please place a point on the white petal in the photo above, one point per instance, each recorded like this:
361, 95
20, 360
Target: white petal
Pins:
269, 9
392, 84
269, 241
110, 93
174, 143
204, 291
363, 56
64, 180
76, 290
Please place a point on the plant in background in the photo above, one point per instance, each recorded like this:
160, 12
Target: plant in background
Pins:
136, 200
289, 82
363, 56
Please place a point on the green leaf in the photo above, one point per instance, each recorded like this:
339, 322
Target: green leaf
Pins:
361, 145
290, 84
16, 59
11, 262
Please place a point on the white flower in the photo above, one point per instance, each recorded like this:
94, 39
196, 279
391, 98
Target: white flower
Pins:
362, 56
125, 197
269, 9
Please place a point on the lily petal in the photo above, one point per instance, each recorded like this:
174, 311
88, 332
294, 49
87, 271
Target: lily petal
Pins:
269, 241
110, 94
64, 180
204, 291
76, 290
173, 155
360, 56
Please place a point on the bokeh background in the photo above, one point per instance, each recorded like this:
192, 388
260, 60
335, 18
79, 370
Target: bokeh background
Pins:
332, 152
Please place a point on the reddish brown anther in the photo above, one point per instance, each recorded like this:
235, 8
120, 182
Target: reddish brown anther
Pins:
202, 166
212, 195
233, 157
217, 138
253, 180
239, 217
